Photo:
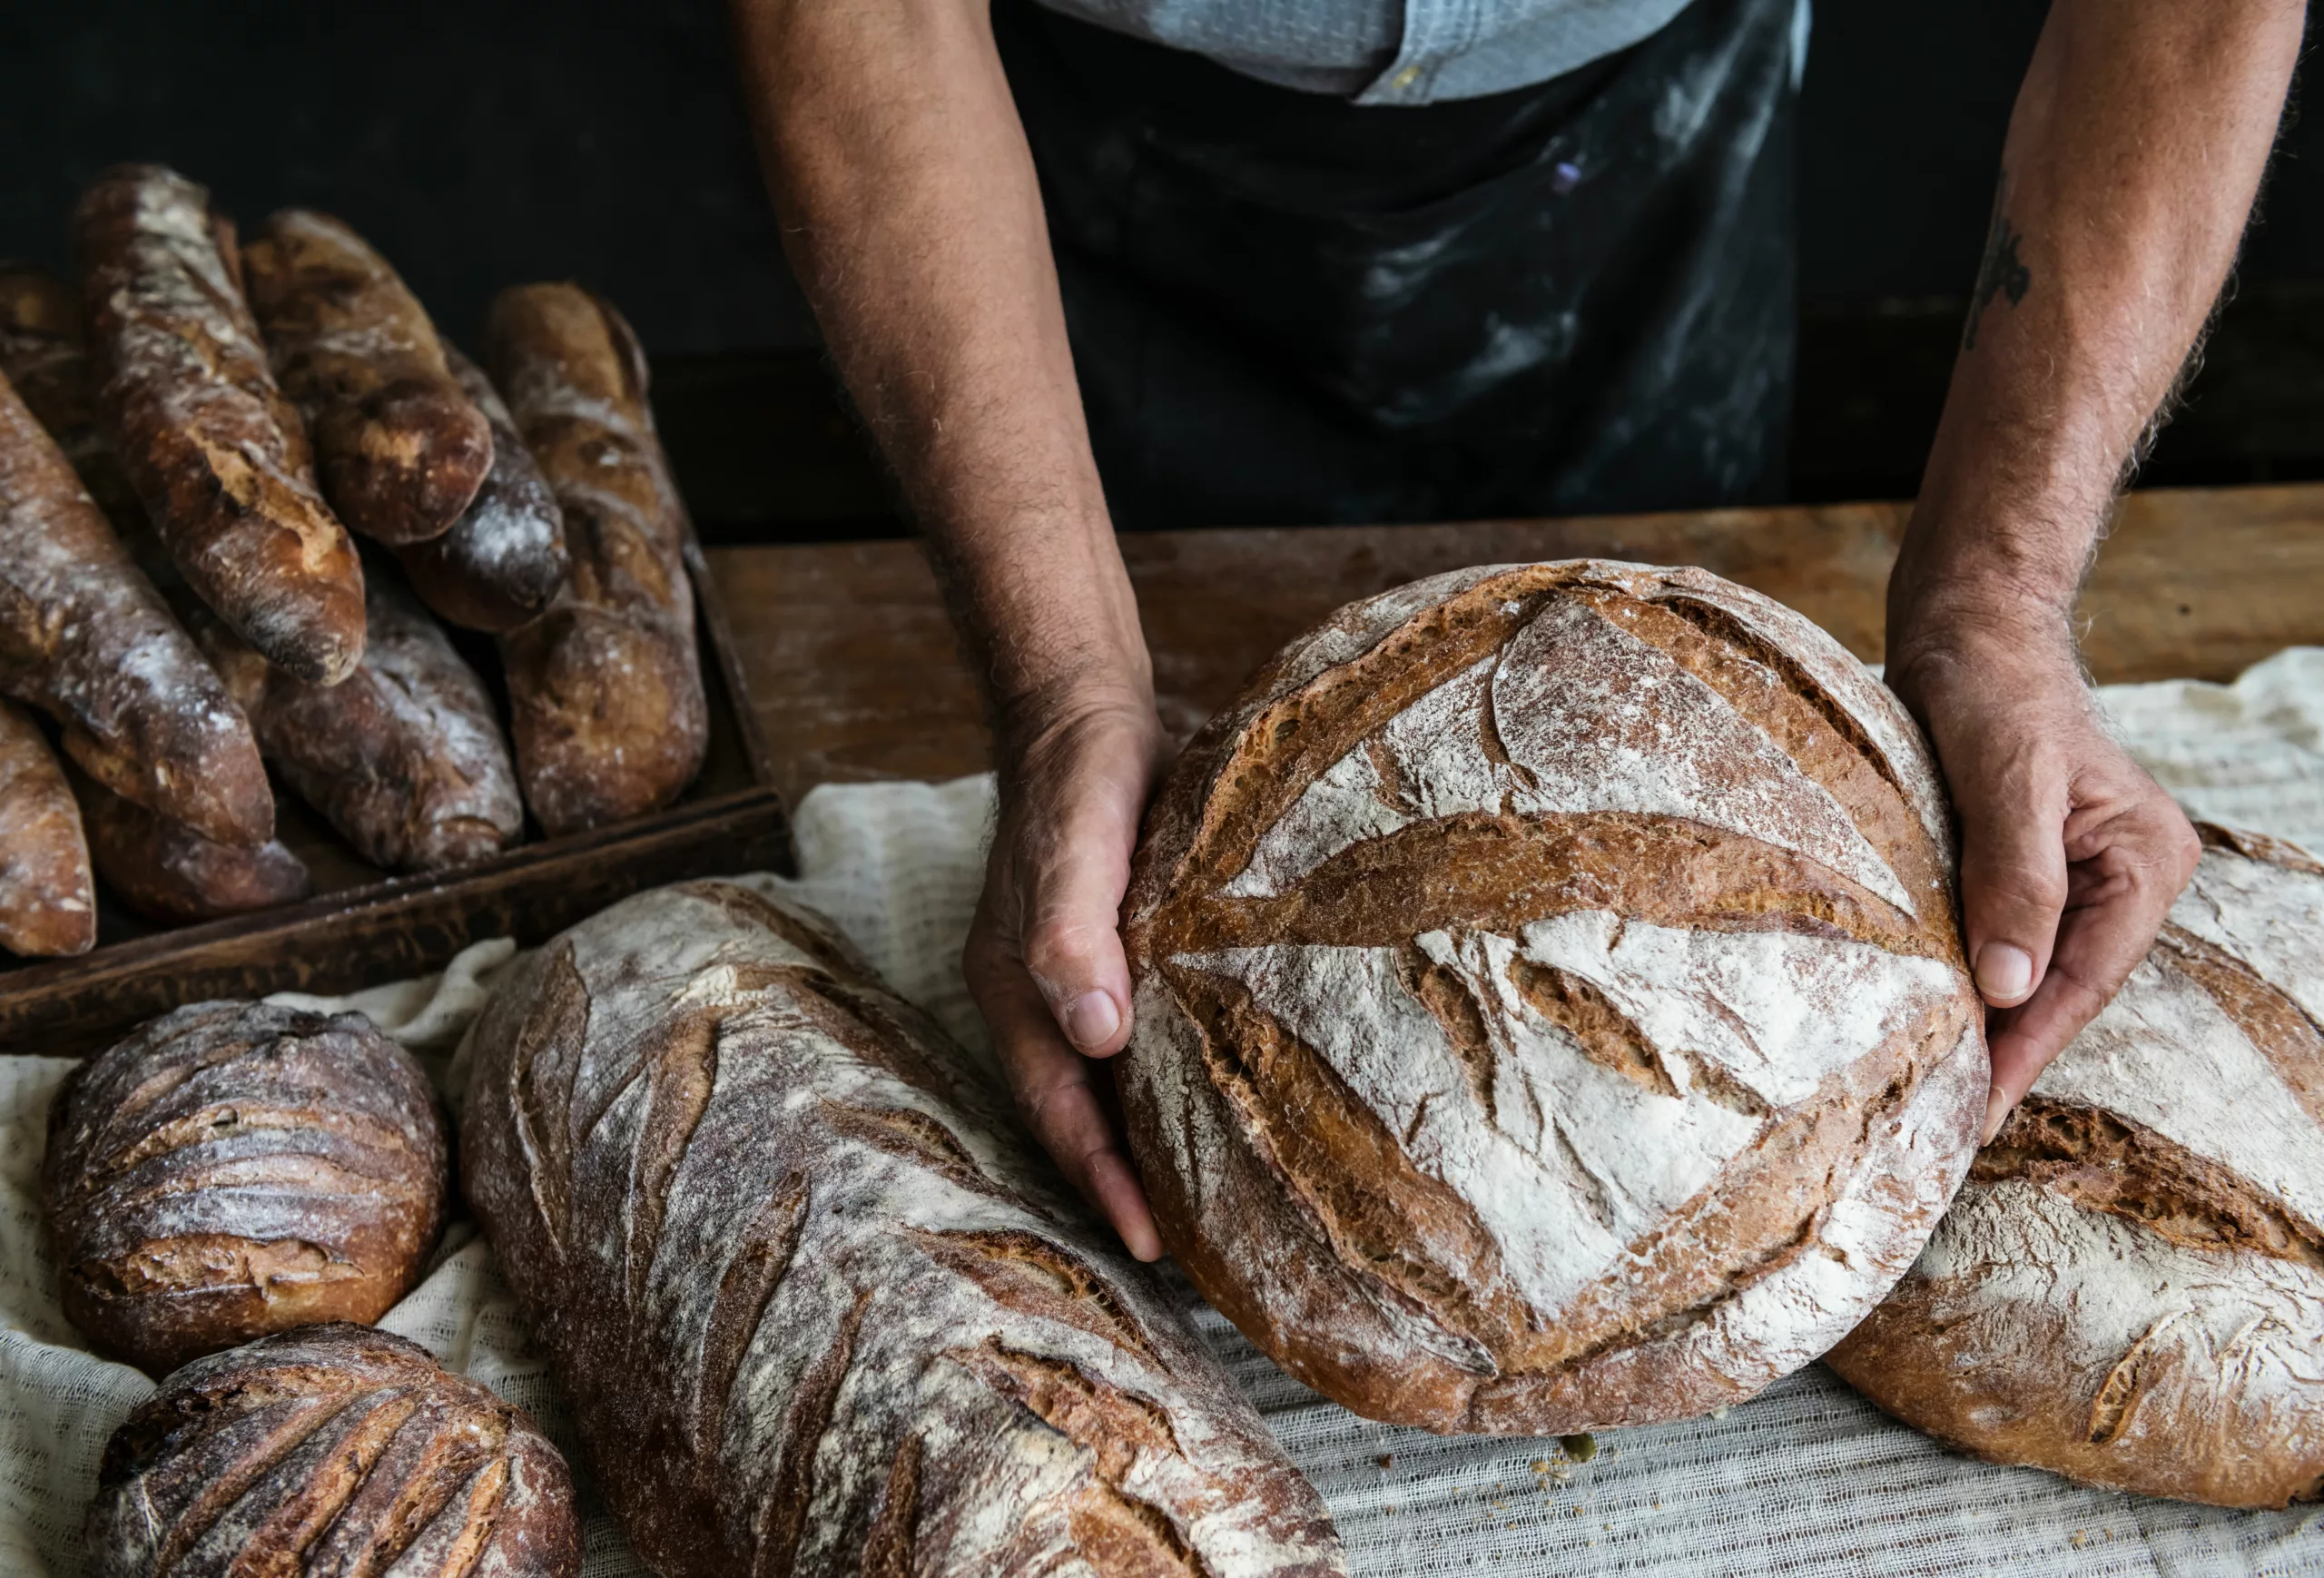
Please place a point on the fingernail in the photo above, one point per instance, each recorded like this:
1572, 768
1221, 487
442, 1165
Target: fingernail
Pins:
2004, 971
1996, 1114
1091, 1018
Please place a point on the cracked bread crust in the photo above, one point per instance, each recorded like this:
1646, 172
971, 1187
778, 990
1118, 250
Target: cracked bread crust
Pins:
1550, 1012
330, 1449
818, 1307
400, 448
216, 452
235, 1168
604, 687
2130, 1290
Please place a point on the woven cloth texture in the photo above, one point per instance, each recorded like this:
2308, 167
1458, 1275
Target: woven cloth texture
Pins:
1806, 1479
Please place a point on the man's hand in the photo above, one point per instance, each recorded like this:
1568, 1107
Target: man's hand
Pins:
2071, 854
2134, 150
1044, 958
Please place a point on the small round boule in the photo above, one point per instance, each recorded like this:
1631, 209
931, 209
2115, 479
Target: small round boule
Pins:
235, 1168
330, 1449
1549, 1011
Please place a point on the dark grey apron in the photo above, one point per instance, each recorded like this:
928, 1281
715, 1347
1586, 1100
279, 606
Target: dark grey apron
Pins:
1285, 309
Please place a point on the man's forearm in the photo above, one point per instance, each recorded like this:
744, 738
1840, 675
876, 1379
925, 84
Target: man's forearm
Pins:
911, 215
2134, 153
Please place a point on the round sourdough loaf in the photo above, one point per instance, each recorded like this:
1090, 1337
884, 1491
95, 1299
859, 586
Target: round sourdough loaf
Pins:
235, 1168
330, 1449
1550, 1012
2130, 1289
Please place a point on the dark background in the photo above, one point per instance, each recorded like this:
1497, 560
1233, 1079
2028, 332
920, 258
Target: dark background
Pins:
481, 143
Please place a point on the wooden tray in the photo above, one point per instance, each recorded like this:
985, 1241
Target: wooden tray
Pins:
363, 927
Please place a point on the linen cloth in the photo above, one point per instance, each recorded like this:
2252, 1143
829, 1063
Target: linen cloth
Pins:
1806, 1479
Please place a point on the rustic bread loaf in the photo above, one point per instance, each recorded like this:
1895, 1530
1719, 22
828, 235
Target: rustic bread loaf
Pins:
235, 1169
330, 1450
605, 688
167, 872
86, 637
504, 559
48, 902
42, 353
1548, 1013
404, 756
398, 446
817, 1308
214, 450
2130, 1289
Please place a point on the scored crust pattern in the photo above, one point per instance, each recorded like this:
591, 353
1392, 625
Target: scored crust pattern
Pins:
2130, 1290
235, 1168
330, 1449
1549, 1012
817, 1308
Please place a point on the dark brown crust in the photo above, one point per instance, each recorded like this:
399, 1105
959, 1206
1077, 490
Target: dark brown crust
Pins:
48, 902
330, 1449
233, 1169
42, 352
776, 1245
167, 872
1305, 1181
610, 720
214, 449
404, 756
86, 637
504, 560
398, 446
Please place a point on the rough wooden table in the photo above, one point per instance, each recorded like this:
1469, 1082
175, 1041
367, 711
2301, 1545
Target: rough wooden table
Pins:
851, 670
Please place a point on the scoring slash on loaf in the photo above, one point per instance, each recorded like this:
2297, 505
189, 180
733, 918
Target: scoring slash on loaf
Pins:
399, 447
605, 688
235, 1169
48, 903
504, 560
330, 1449
1548, 1008
2130, 1290
219, 457
819, 1310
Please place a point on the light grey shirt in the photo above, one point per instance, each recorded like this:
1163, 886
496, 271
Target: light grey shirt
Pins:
1391, 52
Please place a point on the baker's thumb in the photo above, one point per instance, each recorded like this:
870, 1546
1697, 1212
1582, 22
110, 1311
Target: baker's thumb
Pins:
2013, 888
1072, 949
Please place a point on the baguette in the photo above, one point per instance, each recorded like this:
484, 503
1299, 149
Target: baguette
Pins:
605, 688
43, 353
504, 560
167, 872
398, 446
86, 637
49, 904
216, 453
404, 756
819, 1307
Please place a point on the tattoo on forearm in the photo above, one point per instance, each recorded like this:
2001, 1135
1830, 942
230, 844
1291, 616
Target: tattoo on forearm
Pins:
2001, 273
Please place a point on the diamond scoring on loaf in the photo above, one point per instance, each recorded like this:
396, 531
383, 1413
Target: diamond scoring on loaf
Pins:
855, 1312
1577, 1090
1588, 719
